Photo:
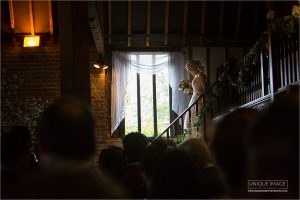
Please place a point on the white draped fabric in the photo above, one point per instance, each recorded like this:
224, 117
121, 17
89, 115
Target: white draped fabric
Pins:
125, 62
177, 72
120, 71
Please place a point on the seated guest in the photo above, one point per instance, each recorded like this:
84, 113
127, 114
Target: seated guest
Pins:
275, 147
230, 149
134, 145
112, 162
175, 177
212, 183
15, 154
66, 142
151, 157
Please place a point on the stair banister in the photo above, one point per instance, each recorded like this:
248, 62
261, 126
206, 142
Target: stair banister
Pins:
181, 116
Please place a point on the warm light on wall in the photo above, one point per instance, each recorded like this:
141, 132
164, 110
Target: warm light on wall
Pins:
97, 66
31, 41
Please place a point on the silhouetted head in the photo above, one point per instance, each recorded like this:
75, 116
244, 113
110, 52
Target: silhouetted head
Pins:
134, 145
15, 146
229, 145
198, 152
112, 161
151, 156
66, 130
175, 177
275, 145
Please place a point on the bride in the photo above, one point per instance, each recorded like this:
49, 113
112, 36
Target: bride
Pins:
195, 68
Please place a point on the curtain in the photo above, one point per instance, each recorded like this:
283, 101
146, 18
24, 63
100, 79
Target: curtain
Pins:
125, 62
120, 72
145, 65
177, 72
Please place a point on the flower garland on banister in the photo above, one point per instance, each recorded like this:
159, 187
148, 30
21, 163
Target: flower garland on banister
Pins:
281, 27
186, 87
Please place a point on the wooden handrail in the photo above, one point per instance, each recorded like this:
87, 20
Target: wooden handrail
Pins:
207, 89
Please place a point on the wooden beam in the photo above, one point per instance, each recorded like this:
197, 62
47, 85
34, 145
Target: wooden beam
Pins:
256, 18
238, 18
129, 23
185, 22
167, 11
50, 17
148, 23
31, 17
202, 22
221, 19
109, 21
11, 14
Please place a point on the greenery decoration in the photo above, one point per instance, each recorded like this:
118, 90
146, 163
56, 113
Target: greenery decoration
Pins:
283, 27
196, 124
20, 112
227, 75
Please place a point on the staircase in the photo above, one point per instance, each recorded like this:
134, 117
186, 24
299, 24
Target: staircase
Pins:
275, 72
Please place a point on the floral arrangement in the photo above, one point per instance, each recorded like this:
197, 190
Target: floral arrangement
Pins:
283, 27
227, 75
186, 87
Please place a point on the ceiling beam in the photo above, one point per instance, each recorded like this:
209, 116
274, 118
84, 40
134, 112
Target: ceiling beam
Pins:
185, 21
257, 8
238, 18
148, 22
50, 17
109, 21
31, 17
11, 14
222, 5
167, 11
95, 27
202, 22
129, 23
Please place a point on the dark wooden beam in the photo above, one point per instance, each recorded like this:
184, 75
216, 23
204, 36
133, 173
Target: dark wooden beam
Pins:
148, 22
129, 23
109, 21
222, 5
11, 14
95, 27
202, 22
167, 11
238, 18
257, 8
31, 17
74, 49
185, 22
50, 17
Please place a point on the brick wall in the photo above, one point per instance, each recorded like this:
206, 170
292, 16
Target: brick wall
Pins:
30, 79
100, 106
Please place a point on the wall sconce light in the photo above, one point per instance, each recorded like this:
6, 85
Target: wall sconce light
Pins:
31, 41
100, 63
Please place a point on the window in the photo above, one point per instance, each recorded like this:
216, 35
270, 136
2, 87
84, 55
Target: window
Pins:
147, 106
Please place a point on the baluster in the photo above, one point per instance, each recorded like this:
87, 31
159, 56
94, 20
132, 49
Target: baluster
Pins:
168, 133
294, 78
190, 120
288, 61
297, 57
284, 63
281, 59
182, 125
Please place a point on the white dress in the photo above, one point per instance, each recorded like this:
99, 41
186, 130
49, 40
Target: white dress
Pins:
198, 85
